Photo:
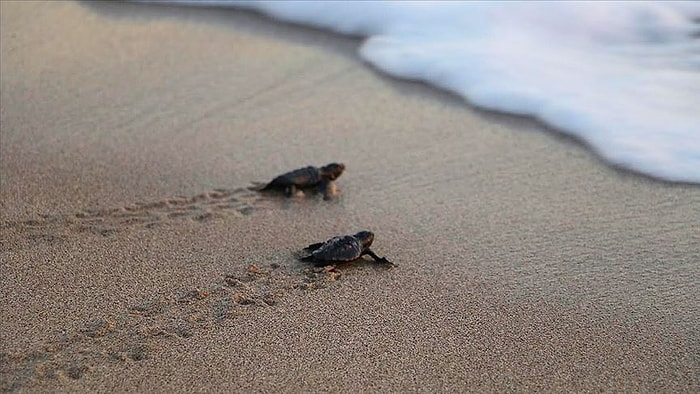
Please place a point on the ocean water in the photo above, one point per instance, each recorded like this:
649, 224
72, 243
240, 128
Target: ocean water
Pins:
622, 76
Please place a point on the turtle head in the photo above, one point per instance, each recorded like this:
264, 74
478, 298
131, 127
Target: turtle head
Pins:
365, 238
332, 171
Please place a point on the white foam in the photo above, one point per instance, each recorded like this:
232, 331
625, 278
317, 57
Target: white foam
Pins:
622, 76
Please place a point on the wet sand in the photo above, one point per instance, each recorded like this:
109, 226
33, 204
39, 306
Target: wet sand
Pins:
134, 258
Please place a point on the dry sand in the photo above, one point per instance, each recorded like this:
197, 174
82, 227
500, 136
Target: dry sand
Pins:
134, 259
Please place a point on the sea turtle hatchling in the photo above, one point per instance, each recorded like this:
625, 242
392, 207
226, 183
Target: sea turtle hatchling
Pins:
343, 248
309, 177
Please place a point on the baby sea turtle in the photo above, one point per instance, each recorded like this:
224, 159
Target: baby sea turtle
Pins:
343, 248
320, 178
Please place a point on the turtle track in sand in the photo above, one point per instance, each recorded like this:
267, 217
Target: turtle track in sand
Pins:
106, 222
144, 329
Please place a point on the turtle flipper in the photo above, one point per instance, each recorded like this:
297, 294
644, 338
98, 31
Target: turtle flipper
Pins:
315, 246
328, 189
258, 187
290, 191
378, 259
312, 259
308, 258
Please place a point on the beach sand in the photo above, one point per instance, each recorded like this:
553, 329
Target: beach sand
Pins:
134, 258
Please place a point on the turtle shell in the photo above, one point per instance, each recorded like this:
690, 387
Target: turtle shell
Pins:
341, 248
302, 177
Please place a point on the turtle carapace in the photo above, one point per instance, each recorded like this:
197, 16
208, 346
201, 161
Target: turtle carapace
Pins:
309, 177
343, 248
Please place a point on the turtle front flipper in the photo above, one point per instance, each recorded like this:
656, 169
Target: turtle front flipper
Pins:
376, 258
328, 189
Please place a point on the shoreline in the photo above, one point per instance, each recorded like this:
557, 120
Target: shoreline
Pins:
523, 261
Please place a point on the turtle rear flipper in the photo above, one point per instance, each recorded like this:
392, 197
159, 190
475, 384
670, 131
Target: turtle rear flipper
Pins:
308, 258
315, 246
258, 186
291, 191
312, 259
280, 183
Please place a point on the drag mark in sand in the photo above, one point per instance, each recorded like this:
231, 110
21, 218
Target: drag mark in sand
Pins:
107, 222
141, 331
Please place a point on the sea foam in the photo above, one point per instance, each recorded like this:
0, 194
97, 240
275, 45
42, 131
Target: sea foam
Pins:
622, 76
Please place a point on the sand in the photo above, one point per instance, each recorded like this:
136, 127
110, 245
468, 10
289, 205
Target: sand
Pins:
135, 259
